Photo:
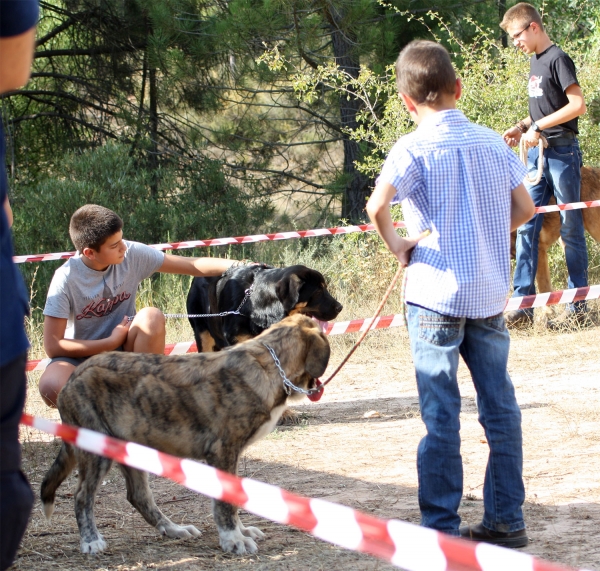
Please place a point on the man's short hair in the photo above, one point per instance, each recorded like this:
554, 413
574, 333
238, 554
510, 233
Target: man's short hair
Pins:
91, 225
424, 72
522, 14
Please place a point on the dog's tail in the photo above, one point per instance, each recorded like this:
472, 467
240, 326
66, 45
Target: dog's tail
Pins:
60, 469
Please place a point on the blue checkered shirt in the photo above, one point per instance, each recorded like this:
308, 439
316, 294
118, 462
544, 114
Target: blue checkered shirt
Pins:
455, 178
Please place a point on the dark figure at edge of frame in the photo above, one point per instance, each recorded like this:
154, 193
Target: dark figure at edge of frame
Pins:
17, 40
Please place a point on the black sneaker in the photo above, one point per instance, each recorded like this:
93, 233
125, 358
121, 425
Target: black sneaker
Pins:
506, 539
518, 319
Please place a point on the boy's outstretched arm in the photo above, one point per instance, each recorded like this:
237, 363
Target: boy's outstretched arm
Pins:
201, 267
378, 209
522, 207
56, 345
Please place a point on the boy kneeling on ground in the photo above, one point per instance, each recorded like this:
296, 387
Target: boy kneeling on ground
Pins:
93, 294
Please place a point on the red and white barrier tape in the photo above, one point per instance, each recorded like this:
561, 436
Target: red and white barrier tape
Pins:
224, 241
568, 206
553, 298
359, 325
282, 235
405, 545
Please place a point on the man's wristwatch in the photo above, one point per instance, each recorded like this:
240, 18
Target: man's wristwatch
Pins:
534, 127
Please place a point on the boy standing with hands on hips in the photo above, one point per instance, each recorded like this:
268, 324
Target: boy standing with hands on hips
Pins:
462, 193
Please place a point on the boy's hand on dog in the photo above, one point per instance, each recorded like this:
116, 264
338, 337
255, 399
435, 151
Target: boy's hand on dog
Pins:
405, 246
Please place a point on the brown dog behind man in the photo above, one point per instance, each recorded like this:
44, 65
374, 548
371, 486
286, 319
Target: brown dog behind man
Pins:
204, 406
550, 232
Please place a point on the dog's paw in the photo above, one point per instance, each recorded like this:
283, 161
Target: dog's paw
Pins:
93, 547
235, 542
289, 417
192, 530
178, 531
48, 509
253, 532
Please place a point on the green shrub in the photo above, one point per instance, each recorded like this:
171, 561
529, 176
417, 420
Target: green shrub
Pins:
193, 200
494, 94
179, 202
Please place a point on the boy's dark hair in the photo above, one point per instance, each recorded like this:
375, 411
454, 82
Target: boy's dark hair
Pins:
523, 14
91, 225
424, 72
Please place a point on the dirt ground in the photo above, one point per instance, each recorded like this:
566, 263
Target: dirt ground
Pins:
357, 447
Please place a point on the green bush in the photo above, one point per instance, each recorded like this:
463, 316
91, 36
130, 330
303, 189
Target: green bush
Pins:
179, 202
494, 94
193, 200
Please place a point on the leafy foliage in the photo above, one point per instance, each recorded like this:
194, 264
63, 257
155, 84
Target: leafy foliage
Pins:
494, 91
199, 118
110, 177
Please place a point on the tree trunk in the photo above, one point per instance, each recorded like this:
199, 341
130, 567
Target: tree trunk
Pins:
501, 11
153, 153
358, 186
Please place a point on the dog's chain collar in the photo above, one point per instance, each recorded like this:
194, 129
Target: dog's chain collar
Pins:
247, 295
288, 386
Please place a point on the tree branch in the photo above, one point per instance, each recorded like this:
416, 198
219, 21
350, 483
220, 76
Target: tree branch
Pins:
55, 75
273, 171
100, 50
63, 95
53, 33
68, 118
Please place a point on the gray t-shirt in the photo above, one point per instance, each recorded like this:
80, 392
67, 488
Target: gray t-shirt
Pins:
95, 302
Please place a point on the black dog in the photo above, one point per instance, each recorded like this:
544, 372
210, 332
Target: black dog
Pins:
273, 293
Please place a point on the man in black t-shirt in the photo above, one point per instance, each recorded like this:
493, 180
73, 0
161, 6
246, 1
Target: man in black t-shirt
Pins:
555, 103
17, 39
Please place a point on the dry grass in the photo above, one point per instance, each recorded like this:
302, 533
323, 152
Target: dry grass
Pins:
357, 447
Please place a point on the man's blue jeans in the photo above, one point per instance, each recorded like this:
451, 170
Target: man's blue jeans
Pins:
561, 178
437, 341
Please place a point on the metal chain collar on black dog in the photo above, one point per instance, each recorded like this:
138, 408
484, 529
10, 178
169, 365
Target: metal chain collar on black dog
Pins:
288, 386
247, 295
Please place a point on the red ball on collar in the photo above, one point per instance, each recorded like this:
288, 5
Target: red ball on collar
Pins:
317, 395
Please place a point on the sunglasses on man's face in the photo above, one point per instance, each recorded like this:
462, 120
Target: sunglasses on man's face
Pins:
517, 35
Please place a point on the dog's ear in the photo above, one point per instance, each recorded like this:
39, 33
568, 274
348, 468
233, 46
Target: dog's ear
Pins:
318, 351
288, 291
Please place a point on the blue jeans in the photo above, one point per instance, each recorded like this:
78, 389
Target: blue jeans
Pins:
561, 178
436, 342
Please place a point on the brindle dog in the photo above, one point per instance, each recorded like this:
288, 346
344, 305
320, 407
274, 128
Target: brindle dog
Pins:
205, 406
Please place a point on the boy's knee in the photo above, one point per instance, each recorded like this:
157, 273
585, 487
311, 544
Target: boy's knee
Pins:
150, 317
49, 390
53, 380
147, 332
